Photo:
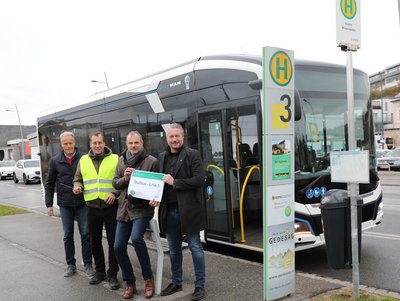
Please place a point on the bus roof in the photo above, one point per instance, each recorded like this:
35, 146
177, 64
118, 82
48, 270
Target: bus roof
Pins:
149, 83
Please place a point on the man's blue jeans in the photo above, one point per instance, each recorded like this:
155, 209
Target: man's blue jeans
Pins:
68, 216
174, 237
134, 229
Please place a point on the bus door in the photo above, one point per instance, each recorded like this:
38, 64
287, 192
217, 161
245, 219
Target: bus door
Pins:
115, 137
229, 147
217, 180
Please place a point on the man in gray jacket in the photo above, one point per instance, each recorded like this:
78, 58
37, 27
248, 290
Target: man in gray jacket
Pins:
133, 215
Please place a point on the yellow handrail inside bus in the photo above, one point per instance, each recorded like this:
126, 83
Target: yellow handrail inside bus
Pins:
222, 172
216, 167
241, 200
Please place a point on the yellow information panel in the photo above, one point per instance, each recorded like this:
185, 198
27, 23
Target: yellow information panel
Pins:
279, 110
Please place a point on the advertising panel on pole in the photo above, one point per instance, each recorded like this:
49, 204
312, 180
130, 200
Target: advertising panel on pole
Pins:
278, 172
348, 24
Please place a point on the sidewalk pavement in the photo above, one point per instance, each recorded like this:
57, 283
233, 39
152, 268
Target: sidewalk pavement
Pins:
32, 264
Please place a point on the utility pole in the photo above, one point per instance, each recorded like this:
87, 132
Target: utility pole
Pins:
382, 124
20, 131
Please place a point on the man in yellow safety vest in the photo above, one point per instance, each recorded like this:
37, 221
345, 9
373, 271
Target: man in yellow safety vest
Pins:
93, 178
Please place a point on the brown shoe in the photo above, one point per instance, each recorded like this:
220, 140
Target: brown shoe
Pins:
149, 288
129, 291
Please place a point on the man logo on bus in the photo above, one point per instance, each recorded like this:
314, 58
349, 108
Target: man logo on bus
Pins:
280, 68
348, 8
187, 82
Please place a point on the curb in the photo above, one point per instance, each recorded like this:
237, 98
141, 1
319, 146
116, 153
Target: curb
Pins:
347, 284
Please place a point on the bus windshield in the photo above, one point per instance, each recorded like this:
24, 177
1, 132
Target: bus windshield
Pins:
323, 127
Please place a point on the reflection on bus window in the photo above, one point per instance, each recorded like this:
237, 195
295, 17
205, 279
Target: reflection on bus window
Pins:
323, 127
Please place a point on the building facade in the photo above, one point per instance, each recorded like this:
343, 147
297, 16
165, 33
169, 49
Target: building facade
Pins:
387, 109
10, 141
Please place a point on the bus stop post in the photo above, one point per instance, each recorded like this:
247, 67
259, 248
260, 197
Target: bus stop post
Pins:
160, 255
352, 188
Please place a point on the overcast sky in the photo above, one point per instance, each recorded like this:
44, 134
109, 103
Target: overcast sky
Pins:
51, 50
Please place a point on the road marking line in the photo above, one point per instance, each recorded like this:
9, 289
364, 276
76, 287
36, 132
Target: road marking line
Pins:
382, 235
390, 205
22, 187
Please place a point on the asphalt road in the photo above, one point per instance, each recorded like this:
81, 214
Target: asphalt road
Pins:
380, 264
24, 196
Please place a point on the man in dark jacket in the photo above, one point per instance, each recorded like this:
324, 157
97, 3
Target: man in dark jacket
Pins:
60, 174
181, 210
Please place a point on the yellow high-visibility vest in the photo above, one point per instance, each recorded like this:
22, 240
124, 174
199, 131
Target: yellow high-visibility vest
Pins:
97, 185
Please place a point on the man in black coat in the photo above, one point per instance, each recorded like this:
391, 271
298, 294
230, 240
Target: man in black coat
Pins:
60, 174
181, 210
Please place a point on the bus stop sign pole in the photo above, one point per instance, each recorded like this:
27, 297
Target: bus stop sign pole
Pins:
352, 188
348, 38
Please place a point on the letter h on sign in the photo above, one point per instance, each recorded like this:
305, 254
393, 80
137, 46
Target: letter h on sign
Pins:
280, 68
348, 6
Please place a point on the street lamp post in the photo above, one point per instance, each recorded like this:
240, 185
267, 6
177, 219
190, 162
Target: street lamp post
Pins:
20, 131
382, 124
106, 82
398, 6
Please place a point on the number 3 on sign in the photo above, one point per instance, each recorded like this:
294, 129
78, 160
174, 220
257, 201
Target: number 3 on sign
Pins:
281, 113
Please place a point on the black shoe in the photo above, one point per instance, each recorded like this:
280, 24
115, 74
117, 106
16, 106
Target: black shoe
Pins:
97, 278
198, 294
70, 270
170, 289
114, 284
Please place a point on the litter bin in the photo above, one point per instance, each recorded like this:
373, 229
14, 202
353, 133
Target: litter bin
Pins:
336, 218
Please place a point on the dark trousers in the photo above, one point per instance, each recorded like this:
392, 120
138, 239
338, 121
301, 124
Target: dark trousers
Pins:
134, 230
68, 216
96, 219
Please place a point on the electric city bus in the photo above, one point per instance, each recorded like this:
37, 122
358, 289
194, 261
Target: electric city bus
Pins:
217, 100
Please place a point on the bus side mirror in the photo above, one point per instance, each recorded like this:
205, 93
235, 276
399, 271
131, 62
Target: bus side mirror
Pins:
257, 85
297, 105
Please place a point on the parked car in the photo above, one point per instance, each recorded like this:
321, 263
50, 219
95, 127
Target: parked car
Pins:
27, 171
381, 153
6, 169
391, 161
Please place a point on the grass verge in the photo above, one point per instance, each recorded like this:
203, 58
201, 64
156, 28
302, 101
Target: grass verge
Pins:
9, 210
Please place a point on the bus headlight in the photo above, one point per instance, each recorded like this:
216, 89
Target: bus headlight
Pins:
380, 207
301, 228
